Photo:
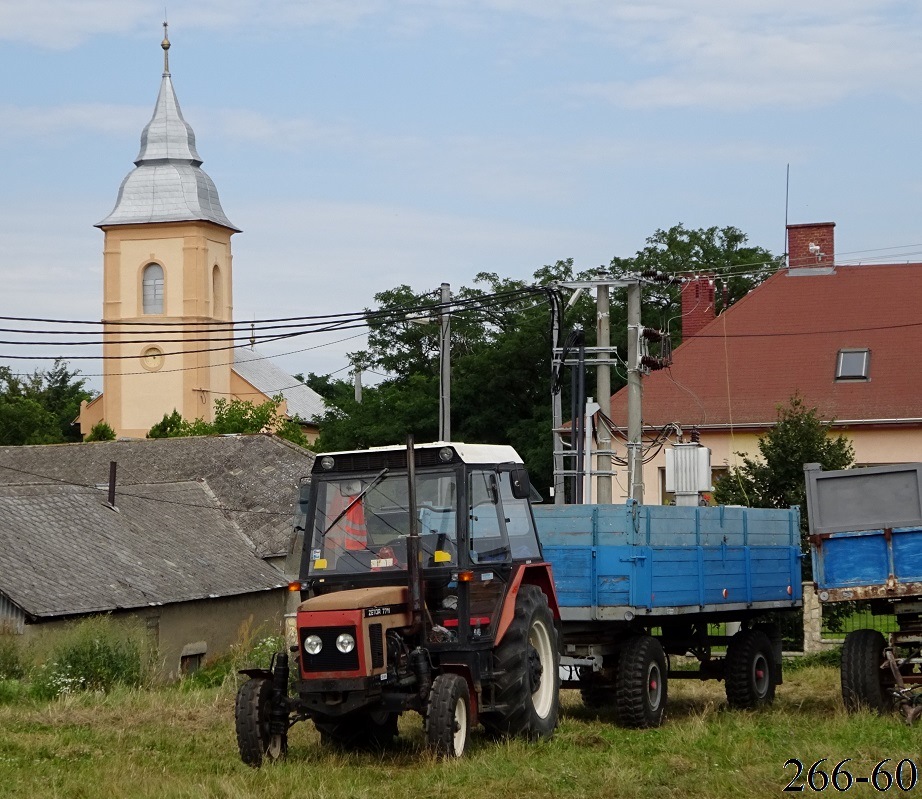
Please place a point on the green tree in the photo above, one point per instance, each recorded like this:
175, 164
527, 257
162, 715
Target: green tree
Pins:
236, 416
720, 251
40, 408
501, 347
501, 367
776, 479
25, 421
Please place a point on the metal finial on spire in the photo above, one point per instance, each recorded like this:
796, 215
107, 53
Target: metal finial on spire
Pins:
165, 44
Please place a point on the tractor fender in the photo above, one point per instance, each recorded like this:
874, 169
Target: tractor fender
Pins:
267, 673
538, 574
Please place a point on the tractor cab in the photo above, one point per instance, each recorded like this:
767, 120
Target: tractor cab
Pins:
472, 514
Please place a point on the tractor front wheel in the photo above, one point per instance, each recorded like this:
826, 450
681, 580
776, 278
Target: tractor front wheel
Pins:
448, 718
251, 714
526, 664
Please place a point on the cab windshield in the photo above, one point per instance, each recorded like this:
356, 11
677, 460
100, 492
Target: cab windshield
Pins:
361, 522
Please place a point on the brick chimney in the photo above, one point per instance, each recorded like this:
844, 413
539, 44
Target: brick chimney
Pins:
697, 304
811, 245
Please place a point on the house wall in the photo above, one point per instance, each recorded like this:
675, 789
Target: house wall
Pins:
873, 446
209, 627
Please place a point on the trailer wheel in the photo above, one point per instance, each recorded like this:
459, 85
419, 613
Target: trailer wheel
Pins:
864, 683
251, 715
361, 730
526, 667
448, 718
750, 670
642, 685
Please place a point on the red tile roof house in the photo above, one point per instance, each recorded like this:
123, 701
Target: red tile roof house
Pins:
845, 337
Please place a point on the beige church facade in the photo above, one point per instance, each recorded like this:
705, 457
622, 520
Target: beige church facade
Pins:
169, 339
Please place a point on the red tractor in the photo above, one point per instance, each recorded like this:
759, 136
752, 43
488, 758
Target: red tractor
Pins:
423, 589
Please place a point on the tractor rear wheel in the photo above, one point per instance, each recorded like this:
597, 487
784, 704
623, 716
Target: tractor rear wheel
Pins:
526, 667
864, 683
361, 730
750, 670
251, 715
641, 687
448, 718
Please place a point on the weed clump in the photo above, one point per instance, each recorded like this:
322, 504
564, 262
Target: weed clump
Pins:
96, 655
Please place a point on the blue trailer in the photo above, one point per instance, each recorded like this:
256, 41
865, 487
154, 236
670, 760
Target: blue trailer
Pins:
638, 583
430, 584
866, 545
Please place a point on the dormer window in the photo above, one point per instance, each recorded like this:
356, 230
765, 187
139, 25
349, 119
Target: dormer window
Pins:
853, 364
152, 289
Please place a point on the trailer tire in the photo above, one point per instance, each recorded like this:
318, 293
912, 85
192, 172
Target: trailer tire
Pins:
642, 684
750, 677
361, 730
864, 683
251, 717
526, 666
448, 716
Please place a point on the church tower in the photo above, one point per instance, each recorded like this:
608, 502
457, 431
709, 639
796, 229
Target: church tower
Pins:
167, 300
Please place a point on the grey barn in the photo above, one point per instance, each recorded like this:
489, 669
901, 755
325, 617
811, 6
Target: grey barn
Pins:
195, 546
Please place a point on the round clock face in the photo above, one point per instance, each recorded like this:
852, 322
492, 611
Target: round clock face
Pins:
152, 358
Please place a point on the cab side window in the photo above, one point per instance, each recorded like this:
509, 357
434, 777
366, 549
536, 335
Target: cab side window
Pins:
523, 539
487, 540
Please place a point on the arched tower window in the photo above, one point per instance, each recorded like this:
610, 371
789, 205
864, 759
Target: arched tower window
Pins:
152, 289
217, 293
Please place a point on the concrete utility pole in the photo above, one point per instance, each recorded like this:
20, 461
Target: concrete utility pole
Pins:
357, 376
557, 419
634, 395
603, 389
445, 367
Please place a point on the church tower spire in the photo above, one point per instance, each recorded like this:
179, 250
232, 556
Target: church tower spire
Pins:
167, 299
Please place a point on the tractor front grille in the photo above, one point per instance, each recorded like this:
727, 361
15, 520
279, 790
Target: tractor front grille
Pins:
376, 643
329, 658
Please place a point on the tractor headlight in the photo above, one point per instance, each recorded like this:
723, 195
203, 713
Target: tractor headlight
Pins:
345, 643
313, 644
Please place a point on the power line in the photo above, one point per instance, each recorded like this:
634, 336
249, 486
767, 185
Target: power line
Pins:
347, 322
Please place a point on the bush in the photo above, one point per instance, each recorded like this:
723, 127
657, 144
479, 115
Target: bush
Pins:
95, 655
101, 431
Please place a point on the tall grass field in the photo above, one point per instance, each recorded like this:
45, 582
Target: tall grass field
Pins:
179, 742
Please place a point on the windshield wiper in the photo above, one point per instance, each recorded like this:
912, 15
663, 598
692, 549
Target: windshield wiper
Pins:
377, 479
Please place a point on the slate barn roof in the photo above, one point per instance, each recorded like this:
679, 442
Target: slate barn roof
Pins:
254, 478
63, 551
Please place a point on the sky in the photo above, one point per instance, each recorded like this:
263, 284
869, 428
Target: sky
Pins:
365, 144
